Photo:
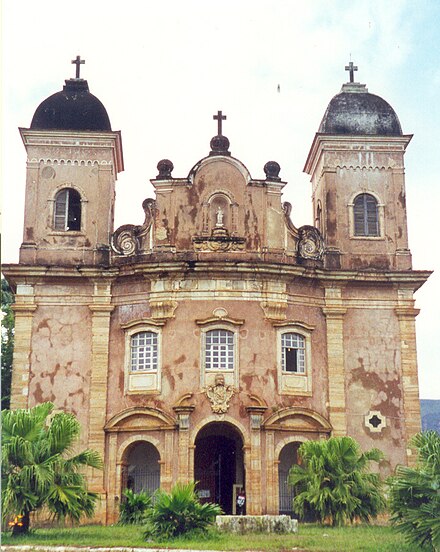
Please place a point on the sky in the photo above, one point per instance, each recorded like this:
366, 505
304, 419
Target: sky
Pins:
163, 68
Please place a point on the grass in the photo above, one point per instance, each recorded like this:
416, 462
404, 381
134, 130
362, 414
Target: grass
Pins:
311, 538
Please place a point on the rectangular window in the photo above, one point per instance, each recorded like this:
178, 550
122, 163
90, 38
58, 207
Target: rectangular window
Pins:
144, 352
293, 353
219, 350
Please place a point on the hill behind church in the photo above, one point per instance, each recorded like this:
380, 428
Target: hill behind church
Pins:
430, 410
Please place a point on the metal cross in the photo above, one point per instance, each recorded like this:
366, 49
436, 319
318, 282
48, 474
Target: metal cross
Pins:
352, 68
78, 62
219, 118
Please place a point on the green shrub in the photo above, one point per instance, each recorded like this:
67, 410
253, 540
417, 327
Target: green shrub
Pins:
415, 494
334, 484
179, 512
39, 469
133, 507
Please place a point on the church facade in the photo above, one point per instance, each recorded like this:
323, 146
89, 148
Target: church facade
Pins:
209, 342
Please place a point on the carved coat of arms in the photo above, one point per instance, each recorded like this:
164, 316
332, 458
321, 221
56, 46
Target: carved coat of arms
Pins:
219, 394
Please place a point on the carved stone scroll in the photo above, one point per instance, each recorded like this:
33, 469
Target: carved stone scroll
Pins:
311, 244
128, 239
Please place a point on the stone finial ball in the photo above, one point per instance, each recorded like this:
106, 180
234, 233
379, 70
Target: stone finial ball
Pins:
165, 168
219, 144
272, 170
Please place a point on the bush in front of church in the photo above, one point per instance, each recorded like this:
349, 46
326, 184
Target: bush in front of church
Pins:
415, 494
334, 484
179, 512
39, 469
133, 508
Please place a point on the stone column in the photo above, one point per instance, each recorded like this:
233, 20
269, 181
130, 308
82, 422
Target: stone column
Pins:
185, 465
101, 310
406, 314
253, 484
334, 312
113, 493
23, 308
271, 490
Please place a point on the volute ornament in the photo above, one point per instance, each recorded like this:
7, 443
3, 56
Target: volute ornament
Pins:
127, 239
311, 244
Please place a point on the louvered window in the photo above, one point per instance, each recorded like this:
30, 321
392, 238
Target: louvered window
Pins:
366, 217
67, 212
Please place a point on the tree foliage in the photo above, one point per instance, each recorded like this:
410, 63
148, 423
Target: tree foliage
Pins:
179, 512
415, 494
334, 484
39, 468
133, 507
7, 343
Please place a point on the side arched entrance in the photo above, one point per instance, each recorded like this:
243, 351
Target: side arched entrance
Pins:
288, 457
219, 464
141, 469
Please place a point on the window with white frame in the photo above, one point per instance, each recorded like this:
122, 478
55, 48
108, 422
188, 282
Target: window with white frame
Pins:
219, 350
144, 352
67, 210
293, 353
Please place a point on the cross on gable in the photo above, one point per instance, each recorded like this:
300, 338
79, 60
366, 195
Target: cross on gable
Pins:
219, 118
78, 62
352, 68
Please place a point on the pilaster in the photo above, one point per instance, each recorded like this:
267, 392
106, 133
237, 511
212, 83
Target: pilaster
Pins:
406, 314
334, 312
101, 311
24, 308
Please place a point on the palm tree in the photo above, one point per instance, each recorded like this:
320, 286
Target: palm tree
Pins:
334, 483
39, 469
415, 494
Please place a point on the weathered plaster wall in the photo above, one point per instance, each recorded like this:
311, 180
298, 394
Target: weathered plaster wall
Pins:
60, 360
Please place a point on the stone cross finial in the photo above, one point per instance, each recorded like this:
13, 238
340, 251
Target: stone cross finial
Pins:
352, 68
78, 62
219, 118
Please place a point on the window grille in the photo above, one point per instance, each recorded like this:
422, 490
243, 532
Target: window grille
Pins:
219, 350
67, 212
144, 352
366, 217
293, 354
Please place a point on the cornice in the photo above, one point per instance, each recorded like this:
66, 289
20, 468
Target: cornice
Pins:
223, 269
332, 142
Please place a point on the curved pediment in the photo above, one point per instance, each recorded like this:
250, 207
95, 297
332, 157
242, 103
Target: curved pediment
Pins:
140, 418
297, 419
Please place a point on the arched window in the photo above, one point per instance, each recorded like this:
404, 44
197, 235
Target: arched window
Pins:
67, 212
219, 350
144, 352
366, 215
293, 353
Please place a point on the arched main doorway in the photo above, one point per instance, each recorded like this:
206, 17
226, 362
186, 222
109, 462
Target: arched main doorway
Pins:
142, 468
219, 464
288, 457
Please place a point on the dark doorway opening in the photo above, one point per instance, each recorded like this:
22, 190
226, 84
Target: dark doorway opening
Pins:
288, 457
218, 464
142, 469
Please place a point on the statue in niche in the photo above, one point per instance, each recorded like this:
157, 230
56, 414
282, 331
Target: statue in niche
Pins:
219, 394
220, 216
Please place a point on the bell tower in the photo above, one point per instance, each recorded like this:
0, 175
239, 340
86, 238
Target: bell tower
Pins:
73, 159
357, 171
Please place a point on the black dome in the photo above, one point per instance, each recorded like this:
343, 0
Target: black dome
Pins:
355, 111
73, 108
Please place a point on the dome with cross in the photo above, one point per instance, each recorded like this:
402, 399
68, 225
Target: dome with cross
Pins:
73, 108
357, 112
